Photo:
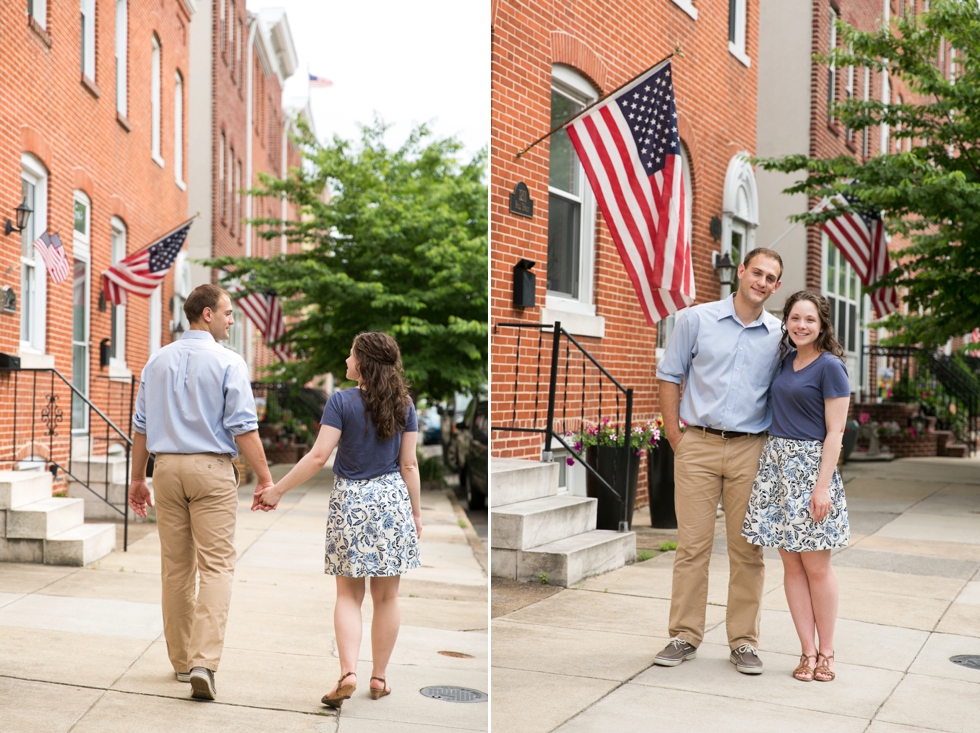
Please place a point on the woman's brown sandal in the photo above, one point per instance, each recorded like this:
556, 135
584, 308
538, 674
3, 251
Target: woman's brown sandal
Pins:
804, 673
377, 694
824, 669
343, 692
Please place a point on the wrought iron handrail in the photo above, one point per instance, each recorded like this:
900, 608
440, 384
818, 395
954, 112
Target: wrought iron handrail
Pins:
52, 416
547, 455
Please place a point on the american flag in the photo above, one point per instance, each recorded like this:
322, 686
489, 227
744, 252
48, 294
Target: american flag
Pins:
860, 237
54, 256
630, 150
143, 271
318, 82
265, 311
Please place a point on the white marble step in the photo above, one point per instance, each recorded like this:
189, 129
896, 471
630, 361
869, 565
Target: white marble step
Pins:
94, 469
19, 488
95, 508
567, 561
513, 480
80, 545
528, 524
44, 519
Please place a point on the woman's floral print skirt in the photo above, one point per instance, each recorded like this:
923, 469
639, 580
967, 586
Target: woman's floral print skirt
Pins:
370, 530
779, 508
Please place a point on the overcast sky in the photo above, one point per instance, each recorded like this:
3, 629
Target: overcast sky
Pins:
418, 61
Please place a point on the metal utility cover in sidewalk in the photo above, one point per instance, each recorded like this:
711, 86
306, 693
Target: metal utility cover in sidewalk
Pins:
967, 660
454, 694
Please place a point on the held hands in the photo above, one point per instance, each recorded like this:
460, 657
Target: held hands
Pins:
139, 497
820, 504
266, 497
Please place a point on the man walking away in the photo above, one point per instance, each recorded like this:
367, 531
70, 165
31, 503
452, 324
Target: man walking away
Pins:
725, 354
195, 401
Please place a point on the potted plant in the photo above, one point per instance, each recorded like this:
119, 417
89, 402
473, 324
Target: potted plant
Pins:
607, 451
660, 479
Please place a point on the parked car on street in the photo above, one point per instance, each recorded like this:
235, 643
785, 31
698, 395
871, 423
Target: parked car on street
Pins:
450, 417
472, 436
430, 425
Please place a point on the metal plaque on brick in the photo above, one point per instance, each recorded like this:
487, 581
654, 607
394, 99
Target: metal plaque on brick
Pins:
449, 693
520, 201
8, 299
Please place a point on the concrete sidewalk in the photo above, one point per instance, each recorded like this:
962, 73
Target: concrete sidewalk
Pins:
82, 648
580, 660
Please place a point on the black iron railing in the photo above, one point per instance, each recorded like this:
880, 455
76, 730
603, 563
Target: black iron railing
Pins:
38, 424
545, 343
942, 386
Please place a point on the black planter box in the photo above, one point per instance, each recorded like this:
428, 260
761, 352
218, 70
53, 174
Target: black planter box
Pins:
606, 460
661, 486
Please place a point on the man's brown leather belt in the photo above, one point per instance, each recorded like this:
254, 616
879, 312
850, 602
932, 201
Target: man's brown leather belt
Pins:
725, 434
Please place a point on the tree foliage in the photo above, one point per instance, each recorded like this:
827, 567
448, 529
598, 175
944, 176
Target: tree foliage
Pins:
930, 194
399, 245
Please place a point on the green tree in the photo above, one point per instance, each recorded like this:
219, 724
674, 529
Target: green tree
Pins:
930, 194
392, 240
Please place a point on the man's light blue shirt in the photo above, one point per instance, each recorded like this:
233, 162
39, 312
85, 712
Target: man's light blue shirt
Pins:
726, 366
194, 397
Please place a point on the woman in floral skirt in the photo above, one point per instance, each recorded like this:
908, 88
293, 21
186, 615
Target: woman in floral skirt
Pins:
797, 501
374, 523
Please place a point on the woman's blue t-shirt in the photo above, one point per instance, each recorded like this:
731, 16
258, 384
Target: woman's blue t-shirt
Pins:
360, 455
798, 396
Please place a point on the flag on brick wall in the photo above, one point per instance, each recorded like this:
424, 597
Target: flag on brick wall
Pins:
631, 152
55, 258
265, 311
860, 237
143, 271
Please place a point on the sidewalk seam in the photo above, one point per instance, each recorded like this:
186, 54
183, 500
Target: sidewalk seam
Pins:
479, 551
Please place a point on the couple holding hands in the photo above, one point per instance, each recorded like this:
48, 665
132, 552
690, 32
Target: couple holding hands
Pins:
745, 373
194, 404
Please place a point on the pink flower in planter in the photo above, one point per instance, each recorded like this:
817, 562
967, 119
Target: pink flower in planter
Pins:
570, 461
864, 417
578, 446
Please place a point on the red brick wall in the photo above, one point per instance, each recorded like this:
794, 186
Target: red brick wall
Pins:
73, 128
608, 42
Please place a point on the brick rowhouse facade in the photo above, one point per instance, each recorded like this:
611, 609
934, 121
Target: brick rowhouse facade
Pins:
794, 117
593, 48
61, 131
240, 129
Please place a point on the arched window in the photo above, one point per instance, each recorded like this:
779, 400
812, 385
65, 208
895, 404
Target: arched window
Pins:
80, 316
740, 211
117, 349
179, 130
571, 213
33, 275
122, 43
155, 102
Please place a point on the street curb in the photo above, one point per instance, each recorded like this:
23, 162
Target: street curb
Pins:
479, 551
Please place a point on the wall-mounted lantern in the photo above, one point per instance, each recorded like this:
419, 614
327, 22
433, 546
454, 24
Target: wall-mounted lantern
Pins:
23, 216
725, 268
105, 350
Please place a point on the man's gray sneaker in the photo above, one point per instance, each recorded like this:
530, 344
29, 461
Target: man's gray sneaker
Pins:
676, 651
183, 676
202, 681
746, 659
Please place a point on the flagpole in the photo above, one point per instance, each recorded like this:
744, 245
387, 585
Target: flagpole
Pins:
781, 236
598, 101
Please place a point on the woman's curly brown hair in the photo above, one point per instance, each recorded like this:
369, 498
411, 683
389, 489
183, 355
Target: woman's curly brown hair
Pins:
384, 389
826, 341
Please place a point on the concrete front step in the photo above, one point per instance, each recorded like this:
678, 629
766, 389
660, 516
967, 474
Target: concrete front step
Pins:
80, 545
567, 561
529, 524
44, 519
95, 508
957, 450
95, 469
515, 480
19, 488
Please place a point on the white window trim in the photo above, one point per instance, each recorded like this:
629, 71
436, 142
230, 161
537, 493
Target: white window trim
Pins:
886, 94
88, 58
832, 67
40, 13
155, 106
156, 320
179, 131
737, 48
117, 364
35, 173
739, 176
182, 289
578, 315
81, 250
863, 302
687, 7
122, 49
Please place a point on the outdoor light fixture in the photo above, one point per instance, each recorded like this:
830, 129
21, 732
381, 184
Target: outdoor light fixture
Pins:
724, 267
23, 216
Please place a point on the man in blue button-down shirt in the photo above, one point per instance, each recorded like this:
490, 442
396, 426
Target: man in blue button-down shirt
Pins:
195, 401
725, 355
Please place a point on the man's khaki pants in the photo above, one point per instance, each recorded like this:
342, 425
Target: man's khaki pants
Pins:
708, 467
196, 502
